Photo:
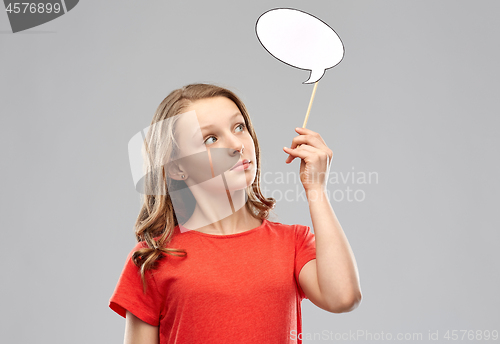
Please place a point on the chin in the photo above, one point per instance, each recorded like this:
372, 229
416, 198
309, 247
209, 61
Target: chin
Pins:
240, 180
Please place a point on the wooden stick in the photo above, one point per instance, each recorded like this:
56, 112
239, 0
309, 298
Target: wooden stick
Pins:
309, 107
310, 104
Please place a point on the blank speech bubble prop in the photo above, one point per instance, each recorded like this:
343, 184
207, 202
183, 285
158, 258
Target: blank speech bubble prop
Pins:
300, 40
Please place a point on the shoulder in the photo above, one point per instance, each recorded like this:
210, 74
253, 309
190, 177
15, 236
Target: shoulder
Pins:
293, 226
280, 226
139, 245
297, 229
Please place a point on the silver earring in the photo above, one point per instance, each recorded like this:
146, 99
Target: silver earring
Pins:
182, 176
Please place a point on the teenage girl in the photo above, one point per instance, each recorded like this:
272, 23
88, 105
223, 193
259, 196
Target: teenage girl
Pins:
219, 271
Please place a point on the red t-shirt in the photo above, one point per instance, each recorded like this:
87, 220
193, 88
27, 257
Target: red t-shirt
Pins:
233, 289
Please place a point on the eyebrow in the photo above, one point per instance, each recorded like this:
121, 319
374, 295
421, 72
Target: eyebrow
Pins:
211, 125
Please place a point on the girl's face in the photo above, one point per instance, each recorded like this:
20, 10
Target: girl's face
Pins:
222, 126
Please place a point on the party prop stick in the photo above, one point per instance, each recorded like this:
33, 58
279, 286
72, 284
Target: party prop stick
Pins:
310, 104
309, 107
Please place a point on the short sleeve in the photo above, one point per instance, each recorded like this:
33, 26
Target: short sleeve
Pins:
129, 295
305, 250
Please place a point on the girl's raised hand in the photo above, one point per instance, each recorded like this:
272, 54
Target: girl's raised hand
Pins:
315, 158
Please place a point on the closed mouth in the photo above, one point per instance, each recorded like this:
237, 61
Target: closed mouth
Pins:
246, 161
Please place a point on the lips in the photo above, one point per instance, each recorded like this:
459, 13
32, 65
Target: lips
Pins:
245, 161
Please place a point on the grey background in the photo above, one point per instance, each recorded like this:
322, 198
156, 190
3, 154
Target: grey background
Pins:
414, 100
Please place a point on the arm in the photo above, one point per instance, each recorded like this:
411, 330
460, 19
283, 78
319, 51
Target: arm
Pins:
331, 281
333, 276
139, 332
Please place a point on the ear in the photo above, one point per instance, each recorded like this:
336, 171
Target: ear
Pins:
175, 172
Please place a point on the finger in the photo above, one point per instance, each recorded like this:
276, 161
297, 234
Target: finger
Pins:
309, 140
302, 152
307, 131
290, 157
290, 151
323, 146
301, 130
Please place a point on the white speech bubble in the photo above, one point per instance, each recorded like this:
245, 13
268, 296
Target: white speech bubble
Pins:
300, 40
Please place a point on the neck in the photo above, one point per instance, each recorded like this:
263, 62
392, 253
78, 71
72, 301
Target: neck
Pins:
221, 214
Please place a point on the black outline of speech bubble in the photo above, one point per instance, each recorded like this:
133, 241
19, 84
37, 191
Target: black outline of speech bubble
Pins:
294, 9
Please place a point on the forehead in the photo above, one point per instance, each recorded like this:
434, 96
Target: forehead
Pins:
213, 109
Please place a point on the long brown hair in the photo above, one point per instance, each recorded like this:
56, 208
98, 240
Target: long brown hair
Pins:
157, 217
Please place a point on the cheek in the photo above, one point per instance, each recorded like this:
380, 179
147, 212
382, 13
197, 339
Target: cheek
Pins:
191, 150
187, 146
250, 143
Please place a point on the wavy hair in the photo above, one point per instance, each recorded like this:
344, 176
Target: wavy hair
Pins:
156, 221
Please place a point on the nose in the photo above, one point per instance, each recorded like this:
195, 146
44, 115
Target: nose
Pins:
236, 146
